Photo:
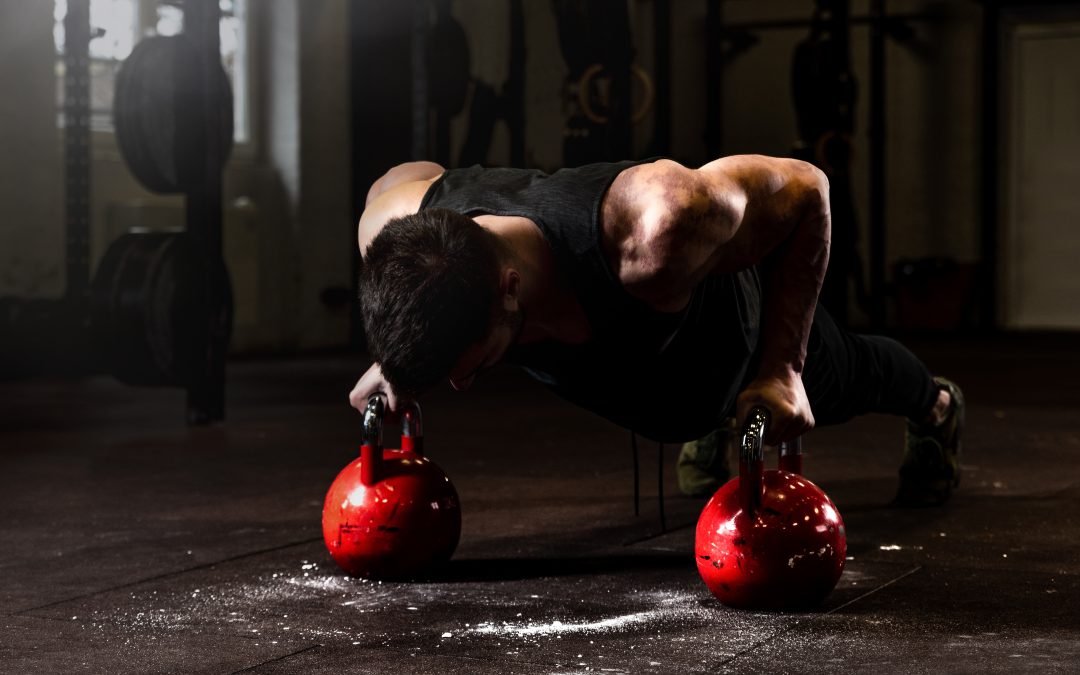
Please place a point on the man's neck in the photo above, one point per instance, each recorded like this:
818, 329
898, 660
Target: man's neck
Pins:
551, 310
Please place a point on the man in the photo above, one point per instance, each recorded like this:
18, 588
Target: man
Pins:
664, 298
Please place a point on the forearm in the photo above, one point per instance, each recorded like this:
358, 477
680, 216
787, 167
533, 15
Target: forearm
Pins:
780, 223
791, 277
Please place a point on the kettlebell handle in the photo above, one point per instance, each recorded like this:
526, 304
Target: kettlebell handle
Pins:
752, 458
412, 435
373, 420
753, 436
412, 429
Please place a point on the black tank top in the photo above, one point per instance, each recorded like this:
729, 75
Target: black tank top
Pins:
670, 377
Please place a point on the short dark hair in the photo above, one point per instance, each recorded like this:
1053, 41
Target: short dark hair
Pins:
428, 286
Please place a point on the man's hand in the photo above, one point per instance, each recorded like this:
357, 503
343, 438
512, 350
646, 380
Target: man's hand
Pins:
373, 381
785, 398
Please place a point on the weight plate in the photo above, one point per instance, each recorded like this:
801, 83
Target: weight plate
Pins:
156, 113
156, 304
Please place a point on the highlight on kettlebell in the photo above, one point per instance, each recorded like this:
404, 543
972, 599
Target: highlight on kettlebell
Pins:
392, 513
770, 539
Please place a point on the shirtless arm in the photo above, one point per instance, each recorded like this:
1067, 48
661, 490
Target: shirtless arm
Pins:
681, 225
398, 192
785, 229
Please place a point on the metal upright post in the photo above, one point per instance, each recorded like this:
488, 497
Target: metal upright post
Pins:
616, 55
514, 90
990, 140
206, 392
77, 148
714, 74
421, 113
662, 59
877, 164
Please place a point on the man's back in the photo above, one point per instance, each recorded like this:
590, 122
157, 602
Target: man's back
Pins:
639, 363
662, 226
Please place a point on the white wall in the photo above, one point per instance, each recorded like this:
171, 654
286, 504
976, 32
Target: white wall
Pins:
1041, 242
31, 171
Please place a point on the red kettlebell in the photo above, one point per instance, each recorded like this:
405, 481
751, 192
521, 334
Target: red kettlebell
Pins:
770, 539
392, 514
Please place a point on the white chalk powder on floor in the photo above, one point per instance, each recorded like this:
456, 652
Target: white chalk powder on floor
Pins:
615, 623
668, 606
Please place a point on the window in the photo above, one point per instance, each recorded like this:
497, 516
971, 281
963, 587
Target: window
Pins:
117, 26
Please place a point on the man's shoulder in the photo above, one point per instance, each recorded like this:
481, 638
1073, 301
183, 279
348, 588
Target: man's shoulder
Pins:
661, 224
402, 199
645, 197
407, 172
640, 185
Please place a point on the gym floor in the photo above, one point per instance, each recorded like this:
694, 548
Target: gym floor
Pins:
132, 543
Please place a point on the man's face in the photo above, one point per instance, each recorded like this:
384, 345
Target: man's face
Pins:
488, 352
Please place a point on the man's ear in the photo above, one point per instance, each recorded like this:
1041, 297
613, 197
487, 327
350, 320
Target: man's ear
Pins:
509, 287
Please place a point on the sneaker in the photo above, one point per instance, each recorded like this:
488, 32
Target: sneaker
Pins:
702, 466
930, 470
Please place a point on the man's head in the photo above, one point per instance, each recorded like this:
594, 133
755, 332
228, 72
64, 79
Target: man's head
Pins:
430, 289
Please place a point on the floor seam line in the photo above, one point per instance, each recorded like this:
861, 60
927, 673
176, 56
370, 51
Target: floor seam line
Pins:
166, 575
463, 657
888, 583
791, 626
276, 659
669, 530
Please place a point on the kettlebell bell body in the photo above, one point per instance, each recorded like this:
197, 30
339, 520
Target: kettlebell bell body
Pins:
770, 539
392, 513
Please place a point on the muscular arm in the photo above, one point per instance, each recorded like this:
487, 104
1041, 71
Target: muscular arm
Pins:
681, 225
785, 229
397, 193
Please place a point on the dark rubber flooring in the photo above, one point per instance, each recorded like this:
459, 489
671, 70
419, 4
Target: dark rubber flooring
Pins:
132, 543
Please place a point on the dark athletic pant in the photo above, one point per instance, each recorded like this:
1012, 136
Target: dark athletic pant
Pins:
847, 375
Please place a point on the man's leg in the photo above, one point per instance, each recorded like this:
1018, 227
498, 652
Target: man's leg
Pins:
703, 465
848, 375
931, 467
